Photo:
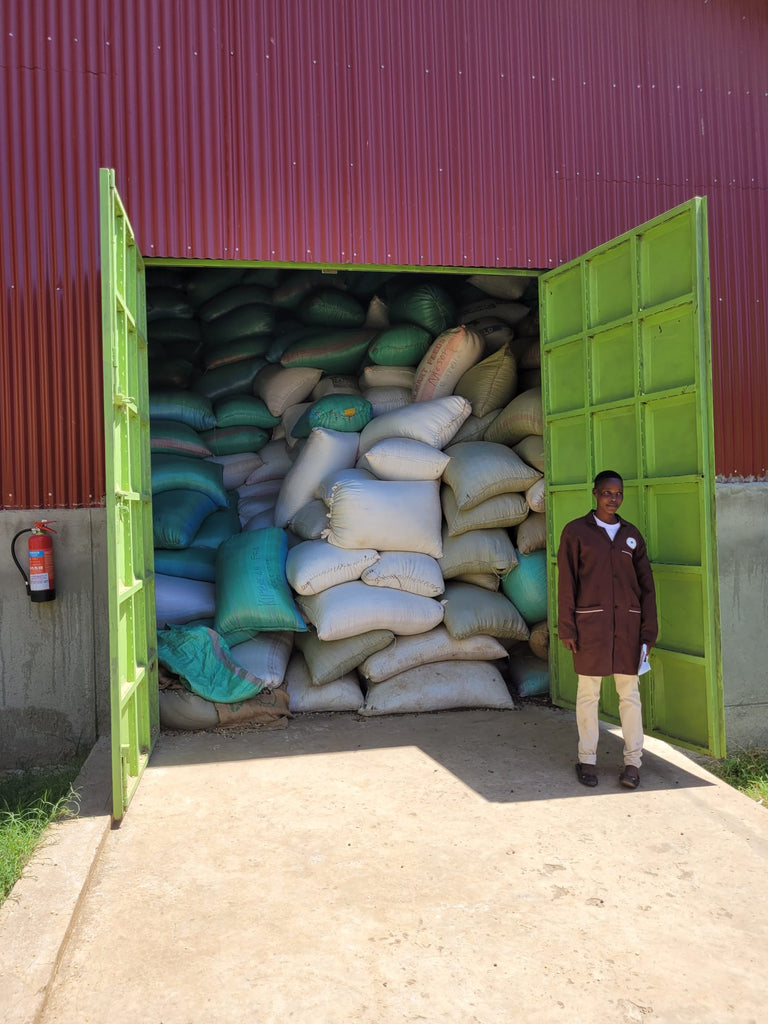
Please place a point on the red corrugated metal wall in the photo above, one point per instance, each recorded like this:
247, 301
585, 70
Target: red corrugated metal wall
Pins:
498, 133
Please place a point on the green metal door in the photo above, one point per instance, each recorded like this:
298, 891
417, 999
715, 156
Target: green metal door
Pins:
132, 636
626, 373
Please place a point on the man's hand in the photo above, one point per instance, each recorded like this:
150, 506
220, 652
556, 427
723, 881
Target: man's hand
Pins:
570, 645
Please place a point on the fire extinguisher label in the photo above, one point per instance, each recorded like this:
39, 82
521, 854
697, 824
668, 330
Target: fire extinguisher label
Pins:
40, 570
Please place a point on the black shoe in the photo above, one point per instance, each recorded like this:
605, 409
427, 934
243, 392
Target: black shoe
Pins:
586, 775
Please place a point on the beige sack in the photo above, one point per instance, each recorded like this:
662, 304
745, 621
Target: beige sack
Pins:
471, 610
434, 423
503, 510
328, 660
531, 450
500, 286
491, 383
482, 551
480, 470
535, 496
532, 534
538, 641
281, 386
521, 417
439, 686
446, 360
437, 645
402, 458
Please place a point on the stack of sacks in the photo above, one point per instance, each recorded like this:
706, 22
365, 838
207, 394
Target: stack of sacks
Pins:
330, 385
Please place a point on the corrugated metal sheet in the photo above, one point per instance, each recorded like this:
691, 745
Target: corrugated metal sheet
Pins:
411, 132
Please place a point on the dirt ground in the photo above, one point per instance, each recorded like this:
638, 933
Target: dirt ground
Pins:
440, 868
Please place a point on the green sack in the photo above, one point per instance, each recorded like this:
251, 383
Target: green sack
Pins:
201, 658
234, 298
328, 307
243, 322
173, 329
427, 305
236, 351
234, 440
172, 372
205, 282
244, 411
183, 473
163, 303
270, 277
185, 406
217, 527
177, 516
333, 351
405, 345
193, 563
233, 379
252, 592
176, 438
295, 287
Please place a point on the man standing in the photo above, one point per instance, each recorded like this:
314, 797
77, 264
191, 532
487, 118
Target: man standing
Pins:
606, 613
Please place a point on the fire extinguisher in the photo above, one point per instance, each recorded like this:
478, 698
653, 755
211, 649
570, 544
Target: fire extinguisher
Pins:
40, 583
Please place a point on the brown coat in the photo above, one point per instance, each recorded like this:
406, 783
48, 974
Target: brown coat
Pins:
606, 597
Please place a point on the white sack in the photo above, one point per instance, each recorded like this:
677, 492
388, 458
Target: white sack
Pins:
310, 521
479, 470
535, 496
329, 659
339, 476
437, 645
504, 510
275, 462
324, 452
282, 386
389, 515
341, 695
483, 551
386, 399
237, 468
401, 458
433, 422
406, 570
334, 384
387, 377
179, 600
265, 656
471, 610
439, 686
315, 565
353, 608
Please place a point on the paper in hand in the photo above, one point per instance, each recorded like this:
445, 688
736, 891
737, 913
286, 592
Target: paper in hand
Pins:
645, 665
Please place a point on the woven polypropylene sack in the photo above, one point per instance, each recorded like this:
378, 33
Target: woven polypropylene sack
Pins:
265, 656
406, 570
182, 406
536, 495
529, 676
538, 641
380, 514
177, 516
244, 411
324, 452
252, 594
315, 565
216, 528
329, 307
521, 417
242, 322
402, 458
405, 345
531, 450
328, 660
447, 359
509, 311
473, 610
180, 472
335, 384
235, 440
480, 470
233, 298
436, 645
439, 686
490, 384
237, 467
281, 386
434, 423
474, 427
501, 286
168, 303
192, 563
342, 694
172, 437
348, 413
477, 551
532, 533
526, 586
335, 351
230, 379
503, 510
310, 521
353, 608
387, 377
486, 580
179, 600
387, 399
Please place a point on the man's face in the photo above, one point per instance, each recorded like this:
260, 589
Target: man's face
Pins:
609, 495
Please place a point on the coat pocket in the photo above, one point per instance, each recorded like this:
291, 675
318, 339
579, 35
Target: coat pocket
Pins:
589, 626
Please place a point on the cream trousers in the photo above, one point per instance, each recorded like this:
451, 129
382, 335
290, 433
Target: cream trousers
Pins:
630, 713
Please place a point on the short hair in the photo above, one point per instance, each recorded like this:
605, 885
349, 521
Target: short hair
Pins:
608, 474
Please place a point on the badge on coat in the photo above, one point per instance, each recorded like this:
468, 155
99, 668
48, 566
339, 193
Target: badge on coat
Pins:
631, 543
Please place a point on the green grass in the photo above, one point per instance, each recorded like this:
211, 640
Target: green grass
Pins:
29, 802
747, 772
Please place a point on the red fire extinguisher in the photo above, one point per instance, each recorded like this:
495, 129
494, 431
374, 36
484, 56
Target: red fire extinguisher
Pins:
40, 582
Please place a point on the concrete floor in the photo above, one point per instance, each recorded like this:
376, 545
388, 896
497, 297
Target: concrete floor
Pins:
438, 868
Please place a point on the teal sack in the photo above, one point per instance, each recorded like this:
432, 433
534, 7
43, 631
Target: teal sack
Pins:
183, 406
235, 440
218, 526
230, 379
244, 411
243, 322
347, 413
193, 563
173, 437
205, 282
201, 658
236, 351
233, 298
184, 473
526, 586
177, 516
426, 305
252, 592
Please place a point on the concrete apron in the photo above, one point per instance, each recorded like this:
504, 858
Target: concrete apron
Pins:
440, 868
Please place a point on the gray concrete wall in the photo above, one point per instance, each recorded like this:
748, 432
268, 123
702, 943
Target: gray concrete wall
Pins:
54, 656
742, 545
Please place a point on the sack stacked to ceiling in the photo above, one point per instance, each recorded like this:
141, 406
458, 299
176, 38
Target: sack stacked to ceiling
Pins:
348, 462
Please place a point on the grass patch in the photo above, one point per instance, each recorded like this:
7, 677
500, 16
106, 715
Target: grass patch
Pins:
747, 772
29, 801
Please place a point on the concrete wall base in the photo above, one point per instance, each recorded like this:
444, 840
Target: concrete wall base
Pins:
742, 551
54, 656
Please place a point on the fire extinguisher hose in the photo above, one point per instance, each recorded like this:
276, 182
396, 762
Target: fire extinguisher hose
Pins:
13, 554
